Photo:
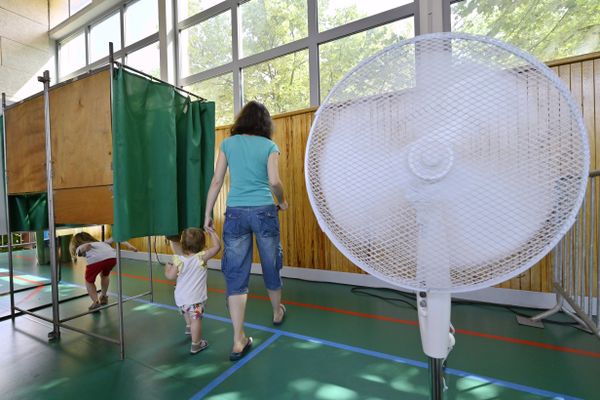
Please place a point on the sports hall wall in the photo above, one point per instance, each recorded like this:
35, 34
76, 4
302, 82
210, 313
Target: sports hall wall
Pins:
304, 244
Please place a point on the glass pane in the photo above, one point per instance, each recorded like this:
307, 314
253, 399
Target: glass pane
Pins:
333, 13
220, 90
338, 57
141, 20
548, 29
76, 5
71, 55
187, 8
270, 23
146, 59
106, 31
280, 84
206, 45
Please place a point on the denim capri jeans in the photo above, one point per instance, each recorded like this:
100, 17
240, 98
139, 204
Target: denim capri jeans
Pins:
240, 224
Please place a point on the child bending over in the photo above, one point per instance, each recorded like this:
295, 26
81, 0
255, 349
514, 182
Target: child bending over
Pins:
101, 259
189, 269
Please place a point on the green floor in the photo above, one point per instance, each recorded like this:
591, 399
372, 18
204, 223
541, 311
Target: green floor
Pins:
334, 345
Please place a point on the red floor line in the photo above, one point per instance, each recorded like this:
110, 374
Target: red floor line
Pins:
402, 321
21, 278
24, 257
32, 294
144, 278
530, 343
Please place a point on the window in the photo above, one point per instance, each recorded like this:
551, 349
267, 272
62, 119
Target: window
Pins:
141, 20
548, 29
333, 13
187, 8
206, 45
338, 57
101, 34
266, 24
147, 60
219, 90
71, 54
281, 84
76, 5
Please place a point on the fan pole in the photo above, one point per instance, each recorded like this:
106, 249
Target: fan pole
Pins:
434, 322
436, 378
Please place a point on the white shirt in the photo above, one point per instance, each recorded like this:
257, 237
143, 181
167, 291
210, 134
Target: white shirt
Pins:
99, 251
191, 279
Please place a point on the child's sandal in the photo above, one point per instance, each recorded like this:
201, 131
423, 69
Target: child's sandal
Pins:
198, 347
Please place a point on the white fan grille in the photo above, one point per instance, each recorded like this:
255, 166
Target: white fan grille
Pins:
447, 162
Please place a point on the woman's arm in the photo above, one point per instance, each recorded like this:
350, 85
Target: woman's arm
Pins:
213, 191
275, 182
215, 248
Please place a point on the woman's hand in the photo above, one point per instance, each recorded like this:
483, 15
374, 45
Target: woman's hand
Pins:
282, 206
208, 224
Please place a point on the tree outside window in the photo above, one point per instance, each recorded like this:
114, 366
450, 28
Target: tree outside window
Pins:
548, 29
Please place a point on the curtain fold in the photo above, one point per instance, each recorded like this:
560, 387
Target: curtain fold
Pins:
163, 153
28, 212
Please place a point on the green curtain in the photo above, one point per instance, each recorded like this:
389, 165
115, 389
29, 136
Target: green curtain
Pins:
163, 157
28, 212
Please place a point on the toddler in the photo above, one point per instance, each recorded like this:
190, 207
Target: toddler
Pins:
101, 259
189, 269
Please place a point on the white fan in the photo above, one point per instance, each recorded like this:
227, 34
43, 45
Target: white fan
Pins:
446, 163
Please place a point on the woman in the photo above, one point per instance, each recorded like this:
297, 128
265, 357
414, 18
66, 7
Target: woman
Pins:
253, 162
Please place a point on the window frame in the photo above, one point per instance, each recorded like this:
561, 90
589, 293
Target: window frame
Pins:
89, 28
118, 55
167, 11
311, 42
67, 39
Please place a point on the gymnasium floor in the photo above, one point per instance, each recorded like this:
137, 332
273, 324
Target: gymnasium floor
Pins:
334, 345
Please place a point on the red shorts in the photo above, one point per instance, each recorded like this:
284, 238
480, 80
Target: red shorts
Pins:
104, 266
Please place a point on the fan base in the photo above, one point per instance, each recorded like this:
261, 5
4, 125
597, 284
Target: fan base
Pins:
530, 322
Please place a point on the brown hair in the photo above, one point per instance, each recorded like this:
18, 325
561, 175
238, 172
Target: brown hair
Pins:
79, 239
192, 240
253, 119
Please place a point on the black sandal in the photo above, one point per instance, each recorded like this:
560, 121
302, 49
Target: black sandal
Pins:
277, 323
234, 356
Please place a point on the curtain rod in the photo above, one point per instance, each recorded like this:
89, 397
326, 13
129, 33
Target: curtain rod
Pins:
158, 80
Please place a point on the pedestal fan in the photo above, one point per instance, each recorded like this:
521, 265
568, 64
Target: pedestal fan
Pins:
446, 163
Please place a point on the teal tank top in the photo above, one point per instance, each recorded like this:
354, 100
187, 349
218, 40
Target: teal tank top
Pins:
247, 158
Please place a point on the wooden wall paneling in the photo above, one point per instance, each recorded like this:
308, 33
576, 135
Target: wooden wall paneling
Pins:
219, 210
597, 239
89, 205
596, 83
587, 101
564, 73
306, 246
80, 119
25, 147
596, 107
515, 283
525, 279
535, 276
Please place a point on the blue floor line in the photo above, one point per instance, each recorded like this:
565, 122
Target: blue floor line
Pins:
278, 333
238, 364
385, 356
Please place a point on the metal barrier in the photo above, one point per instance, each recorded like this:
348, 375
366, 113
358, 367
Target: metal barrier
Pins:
576, 266
56, 321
